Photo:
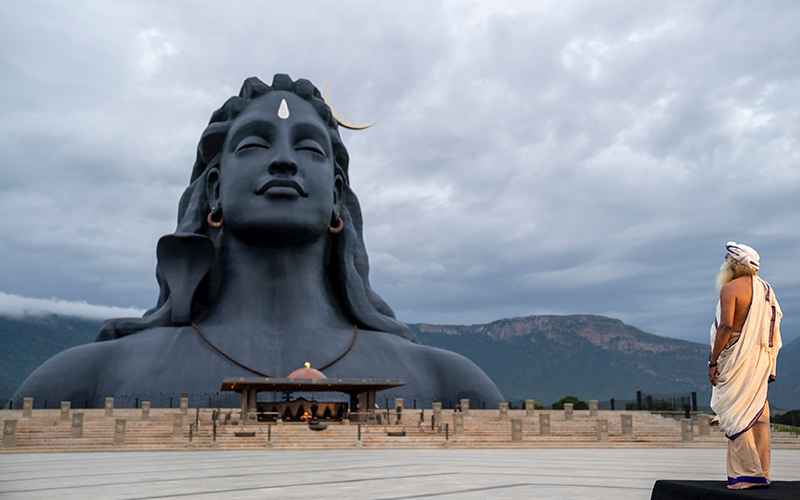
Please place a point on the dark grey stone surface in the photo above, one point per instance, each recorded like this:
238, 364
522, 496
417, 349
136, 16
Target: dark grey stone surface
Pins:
272, 287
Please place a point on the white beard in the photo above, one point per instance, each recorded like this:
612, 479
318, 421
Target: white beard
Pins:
725, 275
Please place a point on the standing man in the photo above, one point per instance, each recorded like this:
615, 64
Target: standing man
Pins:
745, 339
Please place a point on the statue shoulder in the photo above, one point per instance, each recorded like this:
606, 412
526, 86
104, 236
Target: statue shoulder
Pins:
74, 370
76, 373
453, 373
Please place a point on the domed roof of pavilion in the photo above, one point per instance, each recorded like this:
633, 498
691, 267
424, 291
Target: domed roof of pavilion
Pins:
307, 372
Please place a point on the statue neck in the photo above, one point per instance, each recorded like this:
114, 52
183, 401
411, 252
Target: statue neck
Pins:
277, 288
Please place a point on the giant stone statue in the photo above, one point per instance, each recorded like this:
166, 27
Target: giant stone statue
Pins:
266, 270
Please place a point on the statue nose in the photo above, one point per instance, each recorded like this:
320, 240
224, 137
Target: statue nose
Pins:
283, 163
283, 167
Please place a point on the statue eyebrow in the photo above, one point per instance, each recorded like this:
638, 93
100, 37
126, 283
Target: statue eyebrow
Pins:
310, 130
258, 127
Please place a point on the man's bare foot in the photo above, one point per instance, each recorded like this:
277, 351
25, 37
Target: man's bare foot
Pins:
744, 486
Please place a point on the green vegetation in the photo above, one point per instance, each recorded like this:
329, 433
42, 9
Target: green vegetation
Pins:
577, 404
791, 418
520, 405
785, 428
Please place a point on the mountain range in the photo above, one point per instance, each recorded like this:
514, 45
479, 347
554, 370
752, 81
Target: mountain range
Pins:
593, 357
535, 357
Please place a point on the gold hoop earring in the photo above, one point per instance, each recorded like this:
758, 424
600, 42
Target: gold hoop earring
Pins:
211, 221
338, 228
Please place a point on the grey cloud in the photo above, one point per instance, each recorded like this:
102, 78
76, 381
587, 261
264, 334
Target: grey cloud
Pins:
529, 157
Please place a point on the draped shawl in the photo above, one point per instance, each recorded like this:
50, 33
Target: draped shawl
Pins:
746, 367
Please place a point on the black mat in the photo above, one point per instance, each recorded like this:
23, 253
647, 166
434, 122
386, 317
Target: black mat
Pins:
718, 490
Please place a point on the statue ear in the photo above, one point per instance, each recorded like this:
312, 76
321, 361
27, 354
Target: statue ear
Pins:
338, 182
212, 187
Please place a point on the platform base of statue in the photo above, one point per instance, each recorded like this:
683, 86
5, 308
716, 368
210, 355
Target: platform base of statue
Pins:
718, 490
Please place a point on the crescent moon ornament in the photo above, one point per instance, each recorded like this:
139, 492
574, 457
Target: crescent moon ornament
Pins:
339, 118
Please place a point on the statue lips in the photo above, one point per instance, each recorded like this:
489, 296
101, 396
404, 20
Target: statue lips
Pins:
282, 183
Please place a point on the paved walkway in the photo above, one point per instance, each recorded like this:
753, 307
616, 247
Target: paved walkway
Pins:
366, 474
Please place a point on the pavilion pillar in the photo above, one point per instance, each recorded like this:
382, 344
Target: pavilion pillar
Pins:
353, 405
366, 401
252, 407
245, 394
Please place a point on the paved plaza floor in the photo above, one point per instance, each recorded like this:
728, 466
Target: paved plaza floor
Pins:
366, 474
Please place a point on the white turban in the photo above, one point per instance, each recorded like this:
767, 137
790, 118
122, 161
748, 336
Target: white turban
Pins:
743, 253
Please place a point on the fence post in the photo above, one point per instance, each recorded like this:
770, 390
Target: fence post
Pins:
592, 408
627, 425
703, 425
145, 410
27, 407
109, 407
458, 424
568, 411
503, 407
9, 433
119, 431
529, 407
77, 425
177, 425
602, 429
516, 430
687, 432
65, 407
544, 424
639, 400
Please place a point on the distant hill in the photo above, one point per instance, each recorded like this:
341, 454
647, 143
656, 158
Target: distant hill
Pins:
539, 357
592, 357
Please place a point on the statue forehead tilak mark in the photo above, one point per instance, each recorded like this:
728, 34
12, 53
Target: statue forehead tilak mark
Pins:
267, 269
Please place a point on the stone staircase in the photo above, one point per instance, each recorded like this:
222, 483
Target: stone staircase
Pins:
44, 431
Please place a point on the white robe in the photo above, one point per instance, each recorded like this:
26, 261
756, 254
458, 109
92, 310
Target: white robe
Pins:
747, 366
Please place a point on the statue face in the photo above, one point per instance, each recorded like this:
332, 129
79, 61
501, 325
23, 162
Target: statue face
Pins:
276, 178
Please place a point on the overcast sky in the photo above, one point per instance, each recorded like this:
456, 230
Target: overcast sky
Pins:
529, 157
